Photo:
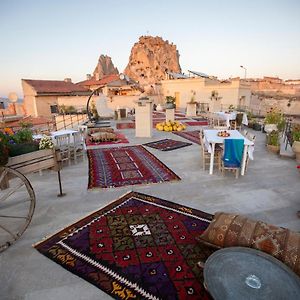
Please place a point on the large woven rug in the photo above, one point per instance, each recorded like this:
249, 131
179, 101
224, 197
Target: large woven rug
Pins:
167, 144
113, 167
189, 135
138, 247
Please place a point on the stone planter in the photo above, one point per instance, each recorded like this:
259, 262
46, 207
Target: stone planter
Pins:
191, 109
270, 127
296, 149
170, 105
273, 148
170, 114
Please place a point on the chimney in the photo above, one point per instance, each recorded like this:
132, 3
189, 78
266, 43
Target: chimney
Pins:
88, 77
67, 80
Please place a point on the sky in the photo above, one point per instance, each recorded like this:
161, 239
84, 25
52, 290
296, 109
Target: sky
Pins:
42, 39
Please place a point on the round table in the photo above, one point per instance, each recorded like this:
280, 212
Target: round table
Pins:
242, 273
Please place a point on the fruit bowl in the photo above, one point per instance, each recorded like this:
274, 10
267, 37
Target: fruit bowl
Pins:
223, 134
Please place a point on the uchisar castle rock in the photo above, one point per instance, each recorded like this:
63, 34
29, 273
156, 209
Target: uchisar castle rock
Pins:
150, 59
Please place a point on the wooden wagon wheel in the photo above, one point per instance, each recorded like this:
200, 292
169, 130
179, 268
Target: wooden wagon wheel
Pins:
17, 204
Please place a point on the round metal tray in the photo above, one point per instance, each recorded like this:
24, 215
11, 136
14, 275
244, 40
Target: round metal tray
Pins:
242, 273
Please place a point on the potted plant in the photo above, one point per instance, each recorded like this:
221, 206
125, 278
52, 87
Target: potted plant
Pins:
273, 144
274, 120
231, 108
19, 142
23, 143
296, 141
170, 102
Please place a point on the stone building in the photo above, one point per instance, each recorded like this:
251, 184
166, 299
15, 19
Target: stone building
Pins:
212, 93
42, 97
112, 85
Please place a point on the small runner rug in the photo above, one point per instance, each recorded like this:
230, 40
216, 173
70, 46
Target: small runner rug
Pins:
113, 167
138, 247
189, 135
167, 144
125, 125
121, 139
196, 123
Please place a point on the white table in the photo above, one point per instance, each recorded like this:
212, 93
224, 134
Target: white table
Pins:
54, 134
226, 116
211, 139
231, 116
62, 132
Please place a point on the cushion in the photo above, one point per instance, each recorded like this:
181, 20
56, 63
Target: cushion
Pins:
231, 230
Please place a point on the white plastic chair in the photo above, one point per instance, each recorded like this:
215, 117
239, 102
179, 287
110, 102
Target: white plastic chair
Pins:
63, 144
78, 147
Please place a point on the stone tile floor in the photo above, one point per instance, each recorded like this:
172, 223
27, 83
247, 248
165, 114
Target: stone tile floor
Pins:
270, 191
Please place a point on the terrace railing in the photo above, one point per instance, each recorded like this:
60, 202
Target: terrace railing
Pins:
64, 121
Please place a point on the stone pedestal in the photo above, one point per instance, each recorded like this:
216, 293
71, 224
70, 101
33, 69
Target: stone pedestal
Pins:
191, 109
143, 118
170, 114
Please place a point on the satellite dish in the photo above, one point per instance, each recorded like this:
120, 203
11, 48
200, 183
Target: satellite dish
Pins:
122, 76
13, 97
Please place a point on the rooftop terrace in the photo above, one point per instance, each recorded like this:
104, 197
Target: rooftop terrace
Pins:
269, 192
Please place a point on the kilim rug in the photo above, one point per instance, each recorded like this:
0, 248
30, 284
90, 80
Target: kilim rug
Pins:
113, 167
138, 247
125, 125
121, 139
167, 145
199, 119
189, 135
196, 123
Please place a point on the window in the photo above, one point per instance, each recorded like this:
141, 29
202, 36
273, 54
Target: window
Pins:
54, 109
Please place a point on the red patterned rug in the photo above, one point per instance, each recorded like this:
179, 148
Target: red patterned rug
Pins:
138, 247
130, 125
167, 144
121, 139
189, 135
197, 123
113, 167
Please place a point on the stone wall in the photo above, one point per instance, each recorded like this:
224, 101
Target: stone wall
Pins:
259, 105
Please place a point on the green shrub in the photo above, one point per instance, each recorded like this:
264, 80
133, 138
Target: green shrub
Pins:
273, 138
23, 136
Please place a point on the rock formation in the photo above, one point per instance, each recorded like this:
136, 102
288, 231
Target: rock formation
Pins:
104, 67
150, 58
